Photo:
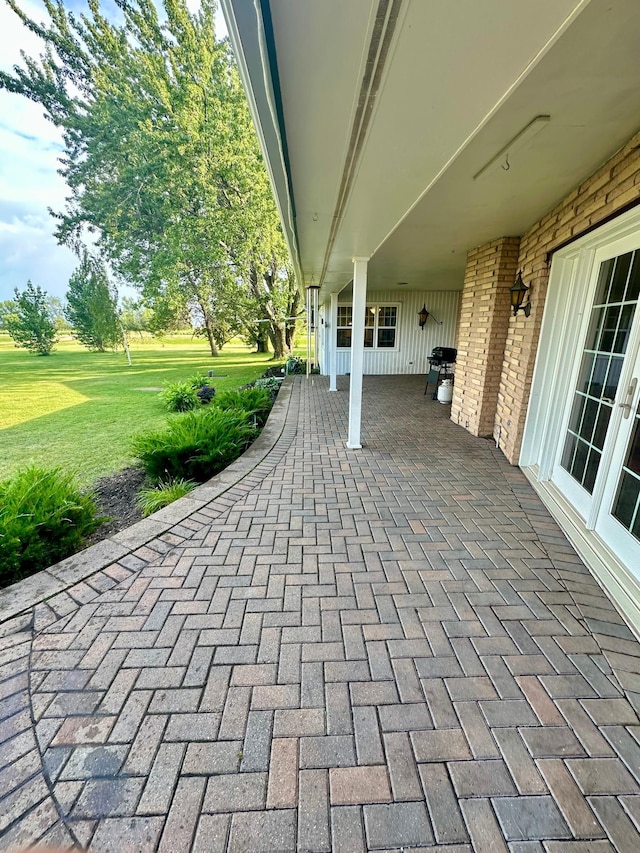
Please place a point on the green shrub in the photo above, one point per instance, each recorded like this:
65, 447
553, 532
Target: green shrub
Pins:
253, 401
293, 364
44, 517
196, 445
270, 384
198, 380
154, 498
180, 397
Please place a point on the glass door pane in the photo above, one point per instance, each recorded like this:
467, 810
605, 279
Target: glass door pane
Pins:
607, 339
626, 505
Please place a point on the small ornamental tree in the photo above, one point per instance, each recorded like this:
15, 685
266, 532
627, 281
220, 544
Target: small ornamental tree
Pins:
92, 307
31, 325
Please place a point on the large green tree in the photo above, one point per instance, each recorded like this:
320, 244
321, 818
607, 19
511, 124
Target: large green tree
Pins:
56, 307
92, 306
31, 325
161, 160
135, 317
7, 307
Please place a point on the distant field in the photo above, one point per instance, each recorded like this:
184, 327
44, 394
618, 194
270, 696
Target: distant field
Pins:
78, 410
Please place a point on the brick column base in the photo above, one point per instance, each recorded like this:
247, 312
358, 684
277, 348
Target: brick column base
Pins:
482, 333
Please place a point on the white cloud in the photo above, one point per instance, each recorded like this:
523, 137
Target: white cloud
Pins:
29, 182
28, 251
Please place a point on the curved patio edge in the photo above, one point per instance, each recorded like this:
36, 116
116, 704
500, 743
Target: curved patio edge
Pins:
21, 596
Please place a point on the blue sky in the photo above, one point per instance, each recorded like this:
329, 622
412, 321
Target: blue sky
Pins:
29, 184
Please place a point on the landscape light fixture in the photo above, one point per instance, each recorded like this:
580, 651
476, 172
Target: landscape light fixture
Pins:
517, 291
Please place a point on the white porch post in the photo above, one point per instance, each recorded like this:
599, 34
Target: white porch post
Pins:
316, 326
333, 342
308, 332
357, 350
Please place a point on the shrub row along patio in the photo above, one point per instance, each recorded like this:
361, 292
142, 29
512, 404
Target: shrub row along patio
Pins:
45, 517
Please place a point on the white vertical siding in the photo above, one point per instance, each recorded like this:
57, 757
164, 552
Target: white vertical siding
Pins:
414, 345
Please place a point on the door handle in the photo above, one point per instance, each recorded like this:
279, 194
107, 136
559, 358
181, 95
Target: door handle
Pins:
628, 400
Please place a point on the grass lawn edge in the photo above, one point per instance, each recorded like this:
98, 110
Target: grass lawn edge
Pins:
21, 596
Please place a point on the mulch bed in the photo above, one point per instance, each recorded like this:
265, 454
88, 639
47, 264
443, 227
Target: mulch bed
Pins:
273, 371
116, 500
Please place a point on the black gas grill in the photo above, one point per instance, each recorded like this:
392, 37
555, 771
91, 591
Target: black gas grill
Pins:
440, 362
442, 356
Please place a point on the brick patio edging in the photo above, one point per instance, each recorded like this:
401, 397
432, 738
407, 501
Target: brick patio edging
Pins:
25, 594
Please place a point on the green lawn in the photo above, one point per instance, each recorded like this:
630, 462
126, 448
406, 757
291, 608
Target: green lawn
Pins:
78, 410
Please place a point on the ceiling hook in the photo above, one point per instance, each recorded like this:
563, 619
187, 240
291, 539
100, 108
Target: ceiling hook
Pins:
506, 165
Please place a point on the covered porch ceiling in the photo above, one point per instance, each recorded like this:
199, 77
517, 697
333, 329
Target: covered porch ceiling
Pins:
375, 116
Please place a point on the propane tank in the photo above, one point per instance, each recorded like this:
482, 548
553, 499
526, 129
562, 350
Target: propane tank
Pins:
445, 391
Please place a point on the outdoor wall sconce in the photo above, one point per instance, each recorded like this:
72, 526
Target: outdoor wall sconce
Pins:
517, 291
424, 315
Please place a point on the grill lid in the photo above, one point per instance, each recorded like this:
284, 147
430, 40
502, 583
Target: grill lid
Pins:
448, 354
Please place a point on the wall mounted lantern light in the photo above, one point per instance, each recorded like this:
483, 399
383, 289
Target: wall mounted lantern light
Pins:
424, 315
517, 291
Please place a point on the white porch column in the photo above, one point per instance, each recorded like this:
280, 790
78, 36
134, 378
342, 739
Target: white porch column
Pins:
357, 350
333, 342
316, 326
308, 332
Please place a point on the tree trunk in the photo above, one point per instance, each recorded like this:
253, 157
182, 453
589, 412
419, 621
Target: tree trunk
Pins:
275, 326
208, 328
277, 337
289, 334
290, 330
208, 325
262, 343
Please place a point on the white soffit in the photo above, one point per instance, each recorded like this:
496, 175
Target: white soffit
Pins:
459, 80
589, 83
448, 66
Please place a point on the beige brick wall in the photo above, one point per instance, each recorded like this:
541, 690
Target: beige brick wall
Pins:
614, 187
482, 331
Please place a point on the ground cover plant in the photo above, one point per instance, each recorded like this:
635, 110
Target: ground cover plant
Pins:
153, 498
180, 397
79, 410
44, 517
195, 445
252, 401
270, 384
198, 444
295, 364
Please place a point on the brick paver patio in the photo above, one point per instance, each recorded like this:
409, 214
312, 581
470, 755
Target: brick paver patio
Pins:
387, 649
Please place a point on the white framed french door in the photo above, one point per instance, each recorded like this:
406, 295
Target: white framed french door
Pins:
596, 465
581, 448
618, 521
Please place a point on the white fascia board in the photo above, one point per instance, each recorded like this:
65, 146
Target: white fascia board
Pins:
265, 118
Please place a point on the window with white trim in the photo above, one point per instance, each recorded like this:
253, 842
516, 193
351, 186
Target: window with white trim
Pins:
380, 327
345, 322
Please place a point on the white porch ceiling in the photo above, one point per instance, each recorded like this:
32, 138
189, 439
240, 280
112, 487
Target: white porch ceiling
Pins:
456, 82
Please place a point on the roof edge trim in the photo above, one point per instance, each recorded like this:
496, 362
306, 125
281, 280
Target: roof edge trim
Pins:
265, 53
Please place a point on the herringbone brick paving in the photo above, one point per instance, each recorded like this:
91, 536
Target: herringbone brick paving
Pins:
387, 649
